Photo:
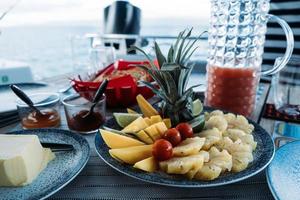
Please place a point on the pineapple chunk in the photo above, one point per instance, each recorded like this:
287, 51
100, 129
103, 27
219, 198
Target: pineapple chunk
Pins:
167, 122
182, 165
130, 111
208, 172
142, 135
114, 140
212, 137
189, 146
146, 108
135, 126
153, 132
132, 155
161, 127
148, 164
192, 172
148, 121
155, 119
220, 161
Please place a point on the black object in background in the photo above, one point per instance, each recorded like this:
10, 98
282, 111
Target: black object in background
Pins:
121, 17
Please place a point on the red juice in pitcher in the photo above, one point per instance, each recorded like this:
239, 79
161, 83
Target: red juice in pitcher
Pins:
232, 89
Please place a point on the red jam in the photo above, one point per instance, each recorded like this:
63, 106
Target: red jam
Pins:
81, 122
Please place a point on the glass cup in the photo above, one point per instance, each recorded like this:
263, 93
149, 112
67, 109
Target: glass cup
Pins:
89, 55
283, 85
236, 45
77, 109
48, 104
102, 56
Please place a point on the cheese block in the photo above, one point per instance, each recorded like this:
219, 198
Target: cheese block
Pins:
22, 158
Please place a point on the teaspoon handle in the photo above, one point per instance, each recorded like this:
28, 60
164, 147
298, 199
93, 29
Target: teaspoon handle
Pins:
24, 97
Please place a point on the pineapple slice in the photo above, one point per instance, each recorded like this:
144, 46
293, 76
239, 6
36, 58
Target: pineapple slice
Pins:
217, 121
155, 119
135, 126
192, 172
208, 172
189, 146
182, 165
153, 132
130, 111
142, 135
148, 121
146, 108
132, 155
220, 161
114, 140
236, 134
161, 127
167, 122
212, 136
148, 164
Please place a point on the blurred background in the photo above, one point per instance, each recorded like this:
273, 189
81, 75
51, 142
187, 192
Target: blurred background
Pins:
39, 32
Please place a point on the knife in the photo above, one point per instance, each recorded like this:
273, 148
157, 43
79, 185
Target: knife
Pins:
57, 147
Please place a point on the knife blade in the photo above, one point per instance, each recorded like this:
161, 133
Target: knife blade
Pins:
58, 147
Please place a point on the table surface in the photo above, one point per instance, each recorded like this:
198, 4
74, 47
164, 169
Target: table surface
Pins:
99, 181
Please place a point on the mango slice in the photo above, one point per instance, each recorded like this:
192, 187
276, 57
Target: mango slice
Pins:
148, 165
135, 126
132, 155
146, 108
114, 140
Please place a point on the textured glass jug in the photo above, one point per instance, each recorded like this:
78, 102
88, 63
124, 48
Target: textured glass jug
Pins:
236, 45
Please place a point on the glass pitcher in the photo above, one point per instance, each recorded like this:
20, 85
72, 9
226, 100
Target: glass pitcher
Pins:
236, 45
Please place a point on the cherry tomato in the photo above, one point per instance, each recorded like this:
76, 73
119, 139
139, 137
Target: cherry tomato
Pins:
173, 136
185, 129
162, 150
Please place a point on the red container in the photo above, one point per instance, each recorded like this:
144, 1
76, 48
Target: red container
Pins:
121, 91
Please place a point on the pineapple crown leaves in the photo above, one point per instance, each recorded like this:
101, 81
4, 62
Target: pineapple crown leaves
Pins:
174, 72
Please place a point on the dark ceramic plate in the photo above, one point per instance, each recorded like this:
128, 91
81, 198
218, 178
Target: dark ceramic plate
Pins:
263, 155
59, 172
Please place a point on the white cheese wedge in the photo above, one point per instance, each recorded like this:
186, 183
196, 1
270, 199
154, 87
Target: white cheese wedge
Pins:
22, 158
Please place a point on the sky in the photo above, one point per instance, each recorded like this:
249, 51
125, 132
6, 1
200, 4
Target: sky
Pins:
37, 12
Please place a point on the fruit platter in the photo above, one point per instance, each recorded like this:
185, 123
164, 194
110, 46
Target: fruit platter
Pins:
179, 142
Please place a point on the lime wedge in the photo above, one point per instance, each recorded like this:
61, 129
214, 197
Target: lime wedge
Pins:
197, 107
197, 123
123, 119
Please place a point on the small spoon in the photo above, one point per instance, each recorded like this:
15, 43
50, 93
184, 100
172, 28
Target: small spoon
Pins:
25, 98
97, 97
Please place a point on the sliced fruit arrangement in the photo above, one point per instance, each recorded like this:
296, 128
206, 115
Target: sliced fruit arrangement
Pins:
201, 149
177, 139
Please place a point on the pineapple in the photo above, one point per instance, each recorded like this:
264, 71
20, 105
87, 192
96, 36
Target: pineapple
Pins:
172, 79
189, 146
182, 165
